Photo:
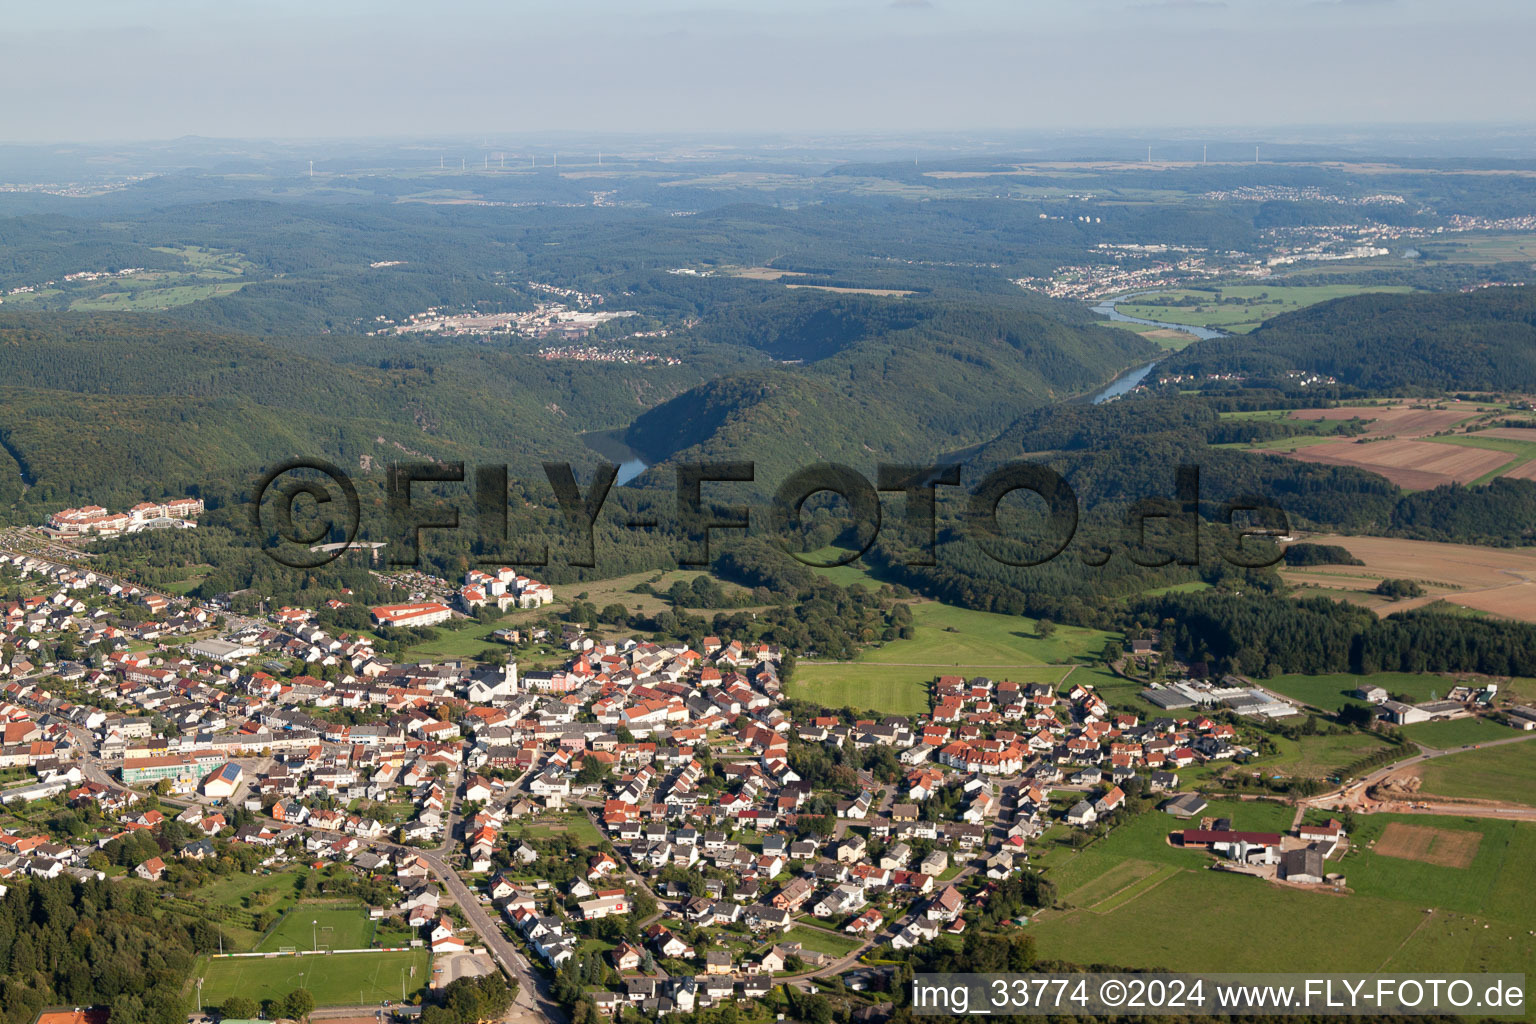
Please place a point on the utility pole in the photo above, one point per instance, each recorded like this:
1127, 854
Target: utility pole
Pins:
314, 941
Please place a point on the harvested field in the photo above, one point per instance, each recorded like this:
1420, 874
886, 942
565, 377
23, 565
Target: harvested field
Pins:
1510, 433
1405, 421
1515, 601
1500, 581
1415, 465
852, 291
1524, 471
1441, 847
765, 273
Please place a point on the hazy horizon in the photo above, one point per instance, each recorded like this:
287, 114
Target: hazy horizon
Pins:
128, 71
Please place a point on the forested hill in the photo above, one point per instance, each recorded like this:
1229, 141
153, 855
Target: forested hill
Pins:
116, 408
1483, 340
887, 379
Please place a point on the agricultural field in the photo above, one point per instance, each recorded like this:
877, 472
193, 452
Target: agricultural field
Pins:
1162, 337
1496, 581
341, 979
1404, 442
895, 676
1397, 418
1482, 248
1518, 453
1411, 465
1391, 861
1130, 907
862, 688
1238, 309
1457, 732
1331, 692
1189, 921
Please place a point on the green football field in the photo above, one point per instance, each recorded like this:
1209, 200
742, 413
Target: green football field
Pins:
309, 926
338, 979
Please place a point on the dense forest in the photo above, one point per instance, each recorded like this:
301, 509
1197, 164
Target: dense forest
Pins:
107, 943
1480, 341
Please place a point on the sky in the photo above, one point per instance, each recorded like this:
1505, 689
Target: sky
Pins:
115, 70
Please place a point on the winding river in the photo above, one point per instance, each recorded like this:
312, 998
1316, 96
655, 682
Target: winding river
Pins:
1128, 380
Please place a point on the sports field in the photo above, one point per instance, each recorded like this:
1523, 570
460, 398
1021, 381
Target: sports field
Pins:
320, 926
339, 979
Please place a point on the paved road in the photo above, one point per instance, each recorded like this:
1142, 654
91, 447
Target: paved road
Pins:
533, 1003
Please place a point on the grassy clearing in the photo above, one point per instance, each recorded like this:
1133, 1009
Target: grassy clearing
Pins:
1506, 772
1190, 921
1319, 757
1126, 873
1190, 587
138, 300
1162, 337
822, 941
1238, 309
1488, 888
620, 590
958, 637
342, 979
452, 644
946, 640
577, 825
1457, 732
859, 687
1331, 692
1478, 917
